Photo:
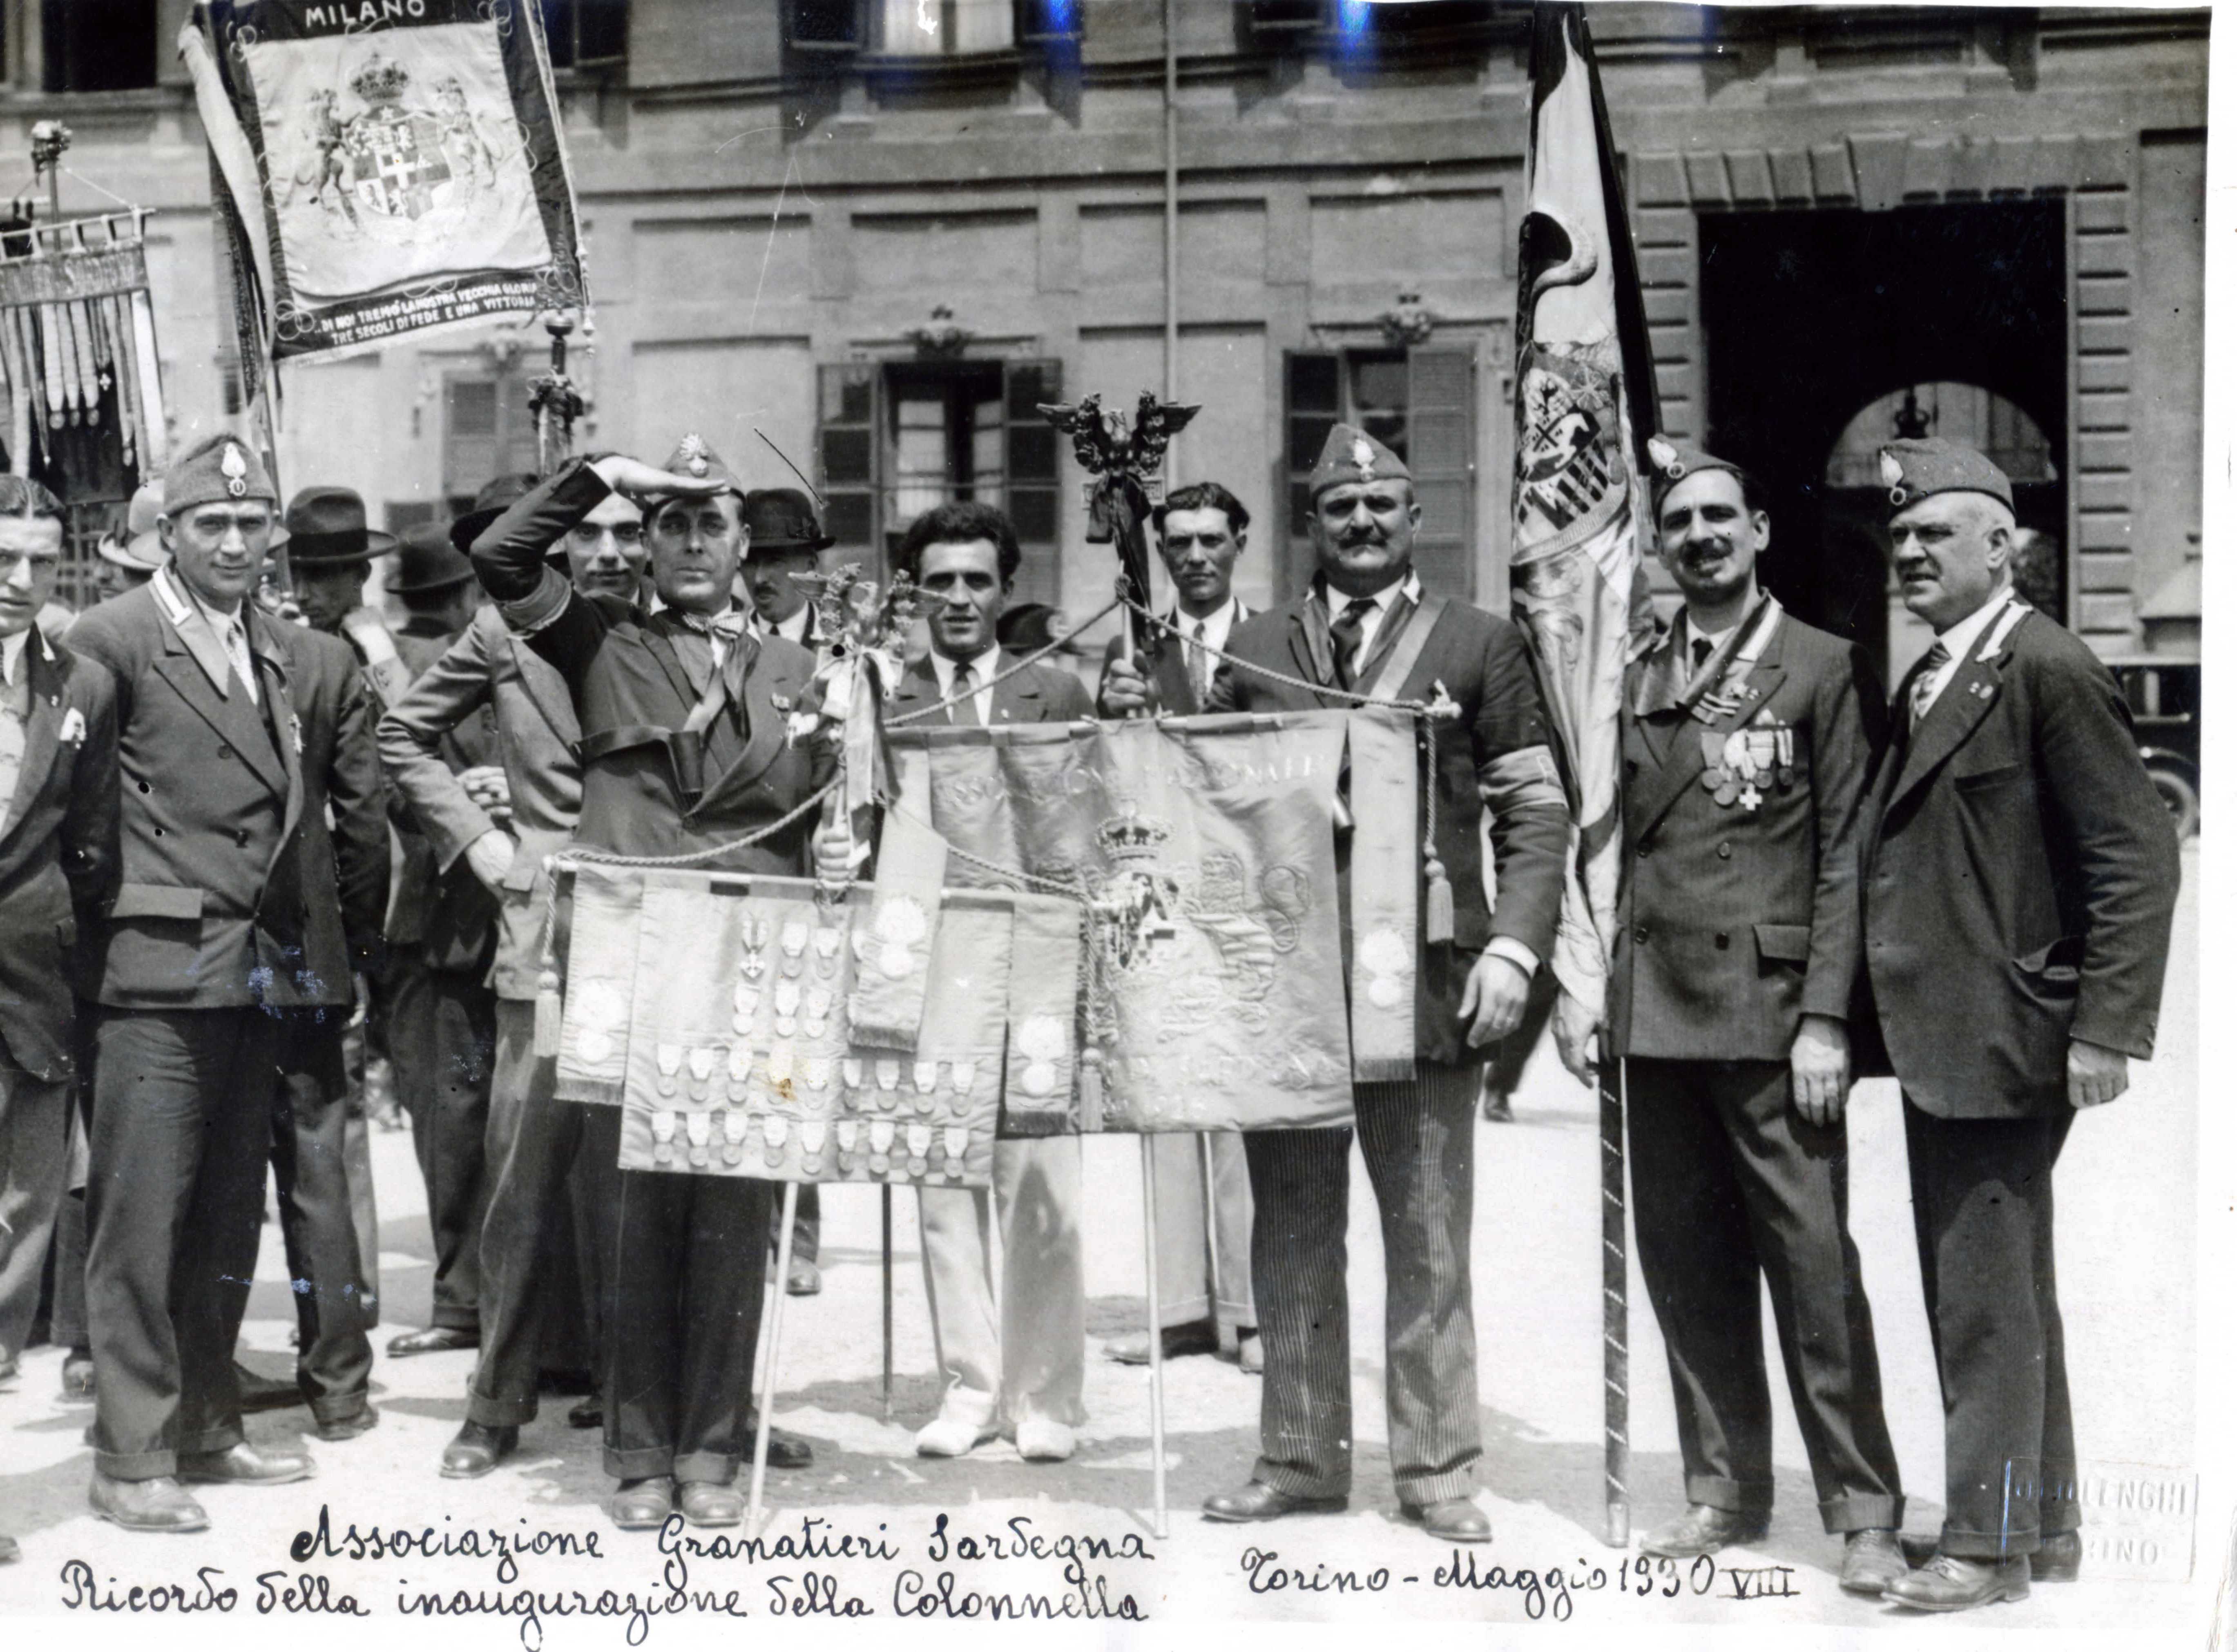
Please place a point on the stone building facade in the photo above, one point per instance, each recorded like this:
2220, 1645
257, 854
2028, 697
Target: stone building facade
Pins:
1984, 222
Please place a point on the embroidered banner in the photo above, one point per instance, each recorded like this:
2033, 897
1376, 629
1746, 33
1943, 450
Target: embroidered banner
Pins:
1205, 848
395, 167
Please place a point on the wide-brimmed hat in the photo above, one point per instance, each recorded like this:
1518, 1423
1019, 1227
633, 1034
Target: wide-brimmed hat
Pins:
326, 528
782, 519
498, 496
142, 548
427, 561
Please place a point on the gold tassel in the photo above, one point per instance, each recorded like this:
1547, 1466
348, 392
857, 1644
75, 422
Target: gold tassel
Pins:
548, 1007
1437, 909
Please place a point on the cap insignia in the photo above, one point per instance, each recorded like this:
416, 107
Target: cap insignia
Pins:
1665, 457
695, 454
236, 471
1363, 456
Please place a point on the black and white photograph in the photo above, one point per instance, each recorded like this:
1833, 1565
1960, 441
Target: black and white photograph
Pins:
1412, 792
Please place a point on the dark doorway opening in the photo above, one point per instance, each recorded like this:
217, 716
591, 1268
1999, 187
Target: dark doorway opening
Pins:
1812, 317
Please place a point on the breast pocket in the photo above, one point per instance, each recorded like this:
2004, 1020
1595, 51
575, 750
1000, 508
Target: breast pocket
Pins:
1995, 777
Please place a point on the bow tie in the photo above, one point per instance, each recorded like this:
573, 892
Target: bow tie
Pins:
729, 624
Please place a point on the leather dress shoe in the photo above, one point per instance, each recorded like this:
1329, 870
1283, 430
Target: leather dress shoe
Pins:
1946, 1584
9, 1553
77, 1377
477, 1449
261, 1392
805, 1280
1871, 1560
145, 1505
587, 1412
702, 1503
1251, 1354
1703, 1530
643, 1506
1451, 1520
436, 1339
1198, 1336
2059, 1559
244, 1465
786, 1449
1260, 1501
361, 1421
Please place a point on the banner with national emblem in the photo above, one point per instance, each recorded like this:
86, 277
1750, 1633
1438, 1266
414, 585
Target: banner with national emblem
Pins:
1204, 851
392, 169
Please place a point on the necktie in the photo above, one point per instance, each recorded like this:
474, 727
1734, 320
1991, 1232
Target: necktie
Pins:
236, 649
1922, 686
1199, 667
1345, 634
965, 711
1702, 649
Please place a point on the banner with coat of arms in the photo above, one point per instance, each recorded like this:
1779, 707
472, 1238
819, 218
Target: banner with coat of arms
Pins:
391, 168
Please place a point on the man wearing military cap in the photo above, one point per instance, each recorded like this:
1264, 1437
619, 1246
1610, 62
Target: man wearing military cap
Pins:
2019, 879
1367, 628
241, 916
684, 747
1746, 738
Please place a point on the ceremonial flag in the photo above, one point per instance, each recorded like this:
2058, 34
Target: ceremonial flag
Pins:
391, 168
1584, 408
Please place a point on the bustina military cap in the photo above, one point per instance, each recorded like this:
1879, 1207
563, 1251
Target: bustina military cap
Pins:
1351, 455
219, 469
1674, 462
1914, 468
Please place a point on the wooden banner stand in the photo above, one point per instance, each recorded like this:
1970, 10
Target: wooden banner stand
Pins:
767, 1400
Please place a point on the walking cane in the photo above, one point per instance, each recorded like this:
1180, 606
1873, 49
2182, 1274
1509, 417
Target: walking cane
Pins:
886, 1254
768, 1370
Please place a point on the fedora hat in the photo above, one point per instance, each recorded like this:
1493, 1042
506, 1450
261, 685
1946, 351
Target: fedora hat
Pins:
141, 549
782, 519
426, 561
326, 528
498, 496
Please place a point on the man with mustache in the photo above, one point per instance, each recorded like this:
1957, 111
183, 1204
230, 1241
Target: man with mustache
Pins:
1747, 735
684, 713
2019, 877
1366, 625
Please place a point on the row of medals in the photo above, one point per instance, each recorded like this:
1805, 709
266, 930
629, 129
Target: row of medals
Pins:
1738, 760
803, 1004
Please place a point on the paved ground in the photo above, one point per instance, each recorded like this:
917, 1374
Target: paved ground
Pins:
2126, 1230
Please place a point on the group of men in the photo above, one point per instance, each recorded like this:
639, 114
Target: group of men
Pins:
1975, 884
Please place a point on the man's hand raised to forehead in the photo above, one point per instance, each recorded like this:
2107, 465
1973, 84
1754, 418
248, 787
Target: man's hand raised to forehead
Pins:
636, 478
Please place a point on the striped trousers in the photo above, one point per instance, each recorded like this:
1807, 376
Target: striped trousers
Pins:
1419, 1141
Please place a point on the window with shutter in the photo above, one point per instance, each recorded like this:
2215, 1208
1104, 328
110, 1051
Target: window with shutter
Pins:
1313, 382
1031, 462
849, 416
487, 431
1441, 451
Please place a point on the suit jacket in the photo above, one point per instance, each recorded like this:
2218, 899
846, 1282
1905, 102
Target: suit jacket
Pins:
487, 669
2019, 880
1171, 690
1736, 922
234, 889
649, 787
1497, 750
448, 921
1039, 693
58, 853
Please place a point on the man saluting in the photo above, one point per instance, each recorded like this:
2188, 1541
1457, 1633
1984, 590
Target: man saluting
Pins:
1366, 618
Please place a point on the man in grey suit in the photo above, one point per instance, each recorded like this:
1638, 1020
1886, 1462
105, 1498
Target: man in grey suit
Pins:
1202, 529
1022, 1364
1747, 735
2019, 878
241, 913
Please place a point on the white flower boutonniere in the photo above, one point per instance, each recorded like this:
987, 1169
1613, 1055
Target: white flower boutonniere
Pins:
295, 729
73, 729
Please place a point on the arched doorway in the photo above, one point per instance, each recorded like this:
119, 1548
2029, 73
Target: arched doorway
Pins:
1854, 533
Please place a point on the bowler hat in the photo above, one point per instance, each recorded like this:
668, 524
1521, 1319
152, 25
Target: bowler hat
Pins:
782, 519
326, 528
427, 561
498, 496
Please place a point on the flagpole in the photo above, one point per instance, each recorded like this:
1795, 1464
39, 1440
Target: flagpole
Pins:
1615, 1315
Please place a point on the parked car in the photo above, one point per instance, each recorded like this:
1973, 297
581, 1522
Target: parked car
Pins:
2163, 699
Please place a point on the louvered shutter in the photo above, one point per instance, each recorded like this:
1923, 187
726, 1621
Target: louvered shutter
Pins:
1441, 452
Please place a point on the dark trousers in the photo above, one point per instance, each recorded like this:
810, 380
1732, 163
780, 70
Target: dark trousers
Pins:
318, 1227
442, 1032
1980, 1194
34, 1169
1419, 1142
806, 1223
182, 1124
535, 1157
1730, 1184
67, 1329
683, 1314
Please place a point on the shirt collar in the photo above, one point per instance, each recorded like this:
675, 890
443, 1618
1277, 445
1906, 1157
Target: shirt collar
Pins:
184, 599
1960, 638
1408, 584
982, 669
1217, 624
11, 655
1714, 639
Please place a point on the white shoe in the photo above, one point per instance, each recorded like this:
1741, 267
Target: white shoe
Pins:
1043, 1440
953, 1434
